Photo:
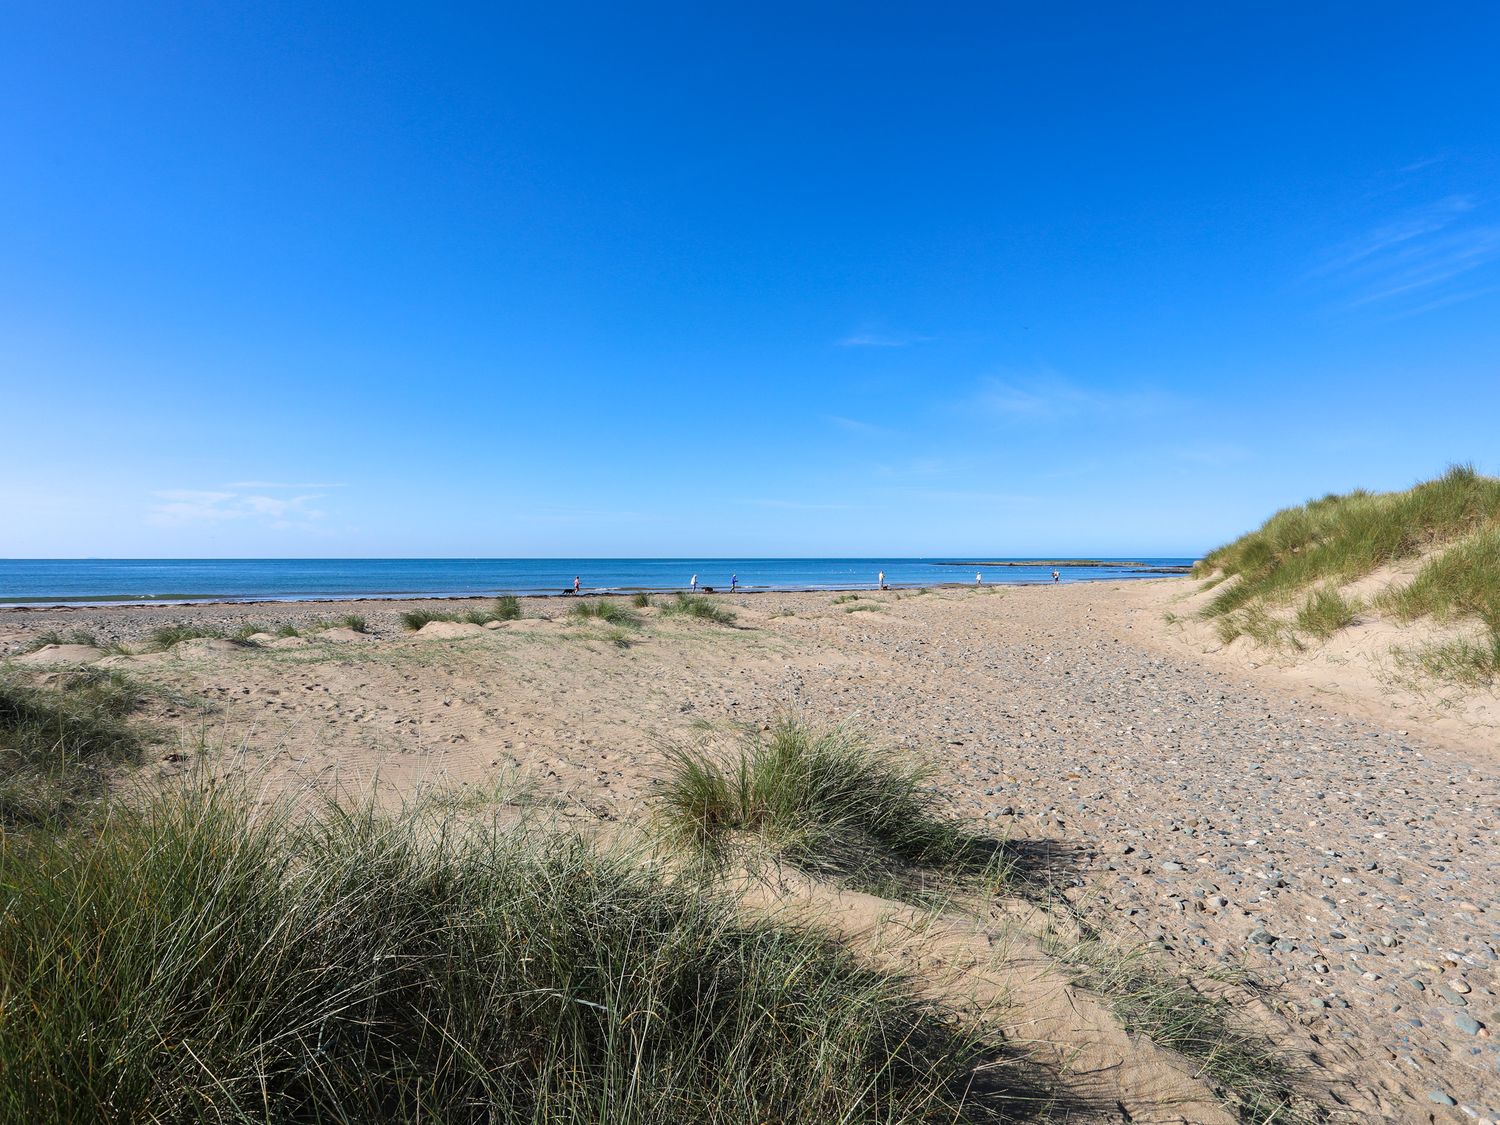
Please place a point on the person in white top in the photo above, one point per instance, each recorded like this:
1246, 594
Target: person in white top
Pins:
979, 578
880, 580
693, 584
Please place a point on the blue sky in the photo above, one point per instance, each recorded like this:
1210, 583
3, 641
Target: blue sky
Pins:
367, 279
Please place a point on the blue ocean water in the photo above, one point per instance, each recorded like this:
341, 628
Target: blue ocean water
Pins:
60, 581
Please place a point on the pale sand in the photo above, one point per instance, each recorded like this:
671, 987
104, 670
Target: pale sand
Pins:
1181, 796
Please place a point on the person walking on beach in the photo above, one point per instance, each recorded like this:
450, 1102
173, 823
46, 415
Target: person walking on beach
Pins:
693, 584
734, 583
575, 583
880, 580
979, 579
1055, 575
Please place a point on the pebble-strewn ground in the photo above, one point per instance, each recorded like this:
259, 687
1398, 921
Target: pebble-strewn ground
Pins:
1353, 869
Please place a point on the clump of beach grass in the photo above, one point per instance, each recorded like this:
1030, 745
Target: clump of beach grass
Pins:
414, 619
1462, 582
842, 598
1325, 612
1259, 624
193, 959
607, 610
700, 606
641, 600
826, 800
58, 741
1474, 662
1248, 1074
71, 637
166, 636
507, 608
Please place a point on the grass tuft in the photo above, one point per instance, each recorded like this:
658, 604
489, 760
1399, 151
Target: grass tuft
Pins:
165, 636
414, 619
1474, 663
1325, 612
827, 801
200, 961
58, 741
506, 608
607, 610
641, 600
1463, 581
700, 606
57, 637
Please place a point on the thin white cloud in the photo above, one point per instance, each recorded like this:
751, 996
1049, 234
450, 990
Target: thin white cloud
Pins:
801, 506
280, 485
185, 506
974, 496
875, 338
1213, 454
854, 425
1415, 256
1054, 399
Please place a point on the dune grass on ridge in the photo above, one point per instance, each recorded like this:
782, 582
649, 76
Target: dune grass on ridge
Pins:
1309, 551
199, 961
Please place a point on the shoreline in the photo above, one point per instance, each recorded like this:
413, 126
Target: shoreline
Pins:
106, 601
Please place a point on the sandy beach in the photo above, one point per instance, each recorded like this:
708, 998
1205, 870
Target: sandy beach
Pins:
1334, 849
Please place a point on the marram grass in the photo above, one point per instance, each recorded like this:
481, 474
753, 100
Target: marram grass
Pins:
507, 608
700, 606
192, 960
824, 799
58, 742
1301, 556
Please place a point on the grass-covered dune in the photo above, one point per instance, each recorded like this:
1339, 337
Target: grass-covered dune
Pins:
1288, 581
194, 960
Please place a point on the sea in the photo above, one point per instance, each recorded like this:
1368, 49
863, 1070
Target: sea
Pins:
156, 581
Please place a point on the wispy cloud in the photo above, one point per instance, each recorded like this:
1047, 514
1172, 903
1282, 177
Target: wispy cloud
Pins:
1213, 454
855, 426
185, 506
974, 496
880, 338
801, 506
1052, 399
1414, 256
280, 485
585, 516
